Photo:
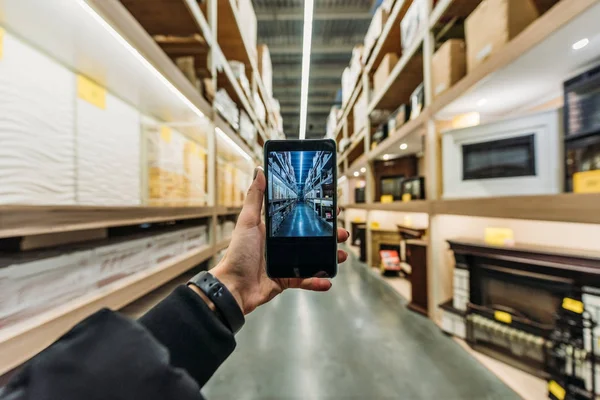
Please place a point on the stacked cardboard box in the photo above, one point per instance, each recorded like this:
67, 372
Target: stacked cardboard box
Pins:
375, 30
195, 172
413, 23
384, 70
449, 65
360, 113
493, 24
265, 68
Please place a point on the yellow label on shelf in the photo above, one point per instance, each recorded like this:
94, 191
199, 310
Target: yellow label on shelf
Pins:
165, 134
387, 198
374, 225
499, 236
503, 317
556, 390
573, 305
357, 220
586, 182
407, 220
91, 92
406, 197
1, 42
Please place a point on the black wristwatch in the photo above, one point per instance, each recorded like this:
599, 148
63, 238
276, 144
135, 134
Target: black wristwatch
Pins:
226, 305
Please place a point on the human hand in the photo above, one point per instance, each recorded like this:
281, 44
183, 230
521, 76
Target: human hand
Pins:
243, 269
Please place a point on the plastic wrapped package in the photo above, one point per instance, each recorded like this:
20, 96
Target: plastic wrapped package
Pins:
167, 246
195, 163
196, 238
227, 108
239, 71
259, 108
247, 128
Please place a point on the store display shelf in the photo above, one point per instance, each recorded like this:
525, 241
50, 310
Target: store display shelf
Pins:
22, 341
360, 162
27, 220
566, 207
222, 245
528, 68
281, 207
222, 210
415, 206
235, 46
392, 140
348, 106
403, 79
390, 36
120, 56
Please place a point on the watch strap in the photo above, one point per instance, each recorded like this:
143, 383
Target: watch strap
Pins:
222, 298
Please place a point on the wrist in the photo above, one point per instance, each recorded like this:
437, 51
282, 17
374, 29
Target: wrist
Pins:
231, 284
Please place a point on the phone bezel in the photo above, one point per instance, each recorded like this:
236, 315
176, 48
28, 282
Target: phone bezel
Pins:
300, 145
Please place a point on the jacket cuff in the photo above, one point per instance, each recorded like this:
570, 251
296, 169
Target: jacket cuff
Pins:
196, 339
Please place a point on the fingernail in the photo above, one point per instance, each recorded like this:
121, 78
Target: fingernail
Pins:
256, 172
348, 233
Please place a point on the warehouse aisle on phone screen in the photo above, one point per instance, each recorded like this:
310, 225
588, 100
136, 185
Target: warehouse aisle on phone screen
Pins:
356, 342
302, 221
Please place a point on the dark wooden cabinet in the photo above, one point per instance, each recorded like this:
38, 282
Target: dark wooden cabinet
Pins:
416, 256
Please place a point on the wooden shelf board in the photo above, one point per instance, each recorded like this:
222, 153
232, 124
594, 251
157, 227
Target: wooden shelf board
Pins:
20, 342
237, 139
24, 220
389, 40
347, 108
417, 206
567, 207
505, 78
448, 9
222, 211
402, 81
408, 128
356, 165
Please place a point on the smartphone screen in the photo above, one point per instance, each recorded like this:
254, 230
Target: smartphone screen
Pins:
301, 208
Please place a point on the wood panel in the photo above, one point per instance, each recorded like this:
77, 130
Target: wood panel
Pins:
568, 207
400, 84
163, 17
418, 206
35, 220
22, 341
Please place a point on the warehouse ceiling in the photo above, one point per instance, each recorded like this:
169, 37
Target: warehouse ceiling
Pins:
338, 25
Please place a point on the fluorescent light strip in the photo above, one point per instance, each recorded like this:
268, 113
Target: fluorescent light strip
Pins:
140, 57
233, 144
306, 46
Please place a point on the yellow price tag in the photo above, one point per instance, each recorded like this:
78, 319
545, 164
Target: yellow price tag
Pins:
1, 42
165, 134
503, 317
586, 182
375, 225
91, 92
499, 236
387, 198
558, 391
357, 220
406, 197
572, 305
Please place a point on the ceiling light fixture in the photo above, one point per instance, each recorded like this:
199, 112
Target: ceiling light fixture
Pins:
482, 102
356, 173
306, 45
386, 157
363, 170
403, 146
139, 57
580, 44
233, 144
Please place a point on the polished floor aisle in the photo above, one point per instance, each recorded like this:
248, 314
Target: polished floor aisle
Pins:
357, 341
303, 221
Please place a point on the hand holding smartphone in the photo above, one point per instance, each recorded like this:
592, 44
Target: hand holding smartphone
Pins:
301, 208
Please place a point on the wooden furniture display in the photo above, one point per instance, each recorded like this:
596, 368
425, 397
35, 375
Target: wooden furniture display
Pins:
416, 257
379, 238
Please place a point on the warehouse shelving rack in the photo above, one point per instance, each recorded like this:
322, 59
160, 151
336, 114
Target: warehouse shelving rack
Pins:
415, 66
115, 50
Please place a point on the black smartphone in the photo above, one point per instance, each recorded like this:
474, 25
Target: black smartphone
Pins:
301, 208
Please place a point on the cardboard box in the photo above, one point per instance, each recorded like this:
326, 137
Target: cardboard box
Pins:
493, 24
265, 68
360, 113
413, 23
449, 65
377, 23
346, 85
385, 68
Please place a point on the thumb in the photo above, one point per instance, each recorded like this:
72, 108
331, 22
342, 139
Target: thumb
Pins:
250, 215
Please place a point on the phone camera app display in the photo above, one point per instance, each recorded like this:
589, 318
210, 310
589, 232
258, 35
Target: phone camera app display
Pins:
300, 193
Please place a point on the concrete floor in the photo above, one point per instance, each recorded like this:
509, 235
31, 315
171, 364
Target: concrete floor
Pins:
356, 342
303, 221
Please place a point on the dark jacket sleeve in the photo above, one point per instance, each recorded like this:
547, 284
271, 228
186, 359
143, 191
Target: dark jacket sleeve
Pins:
169, 354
